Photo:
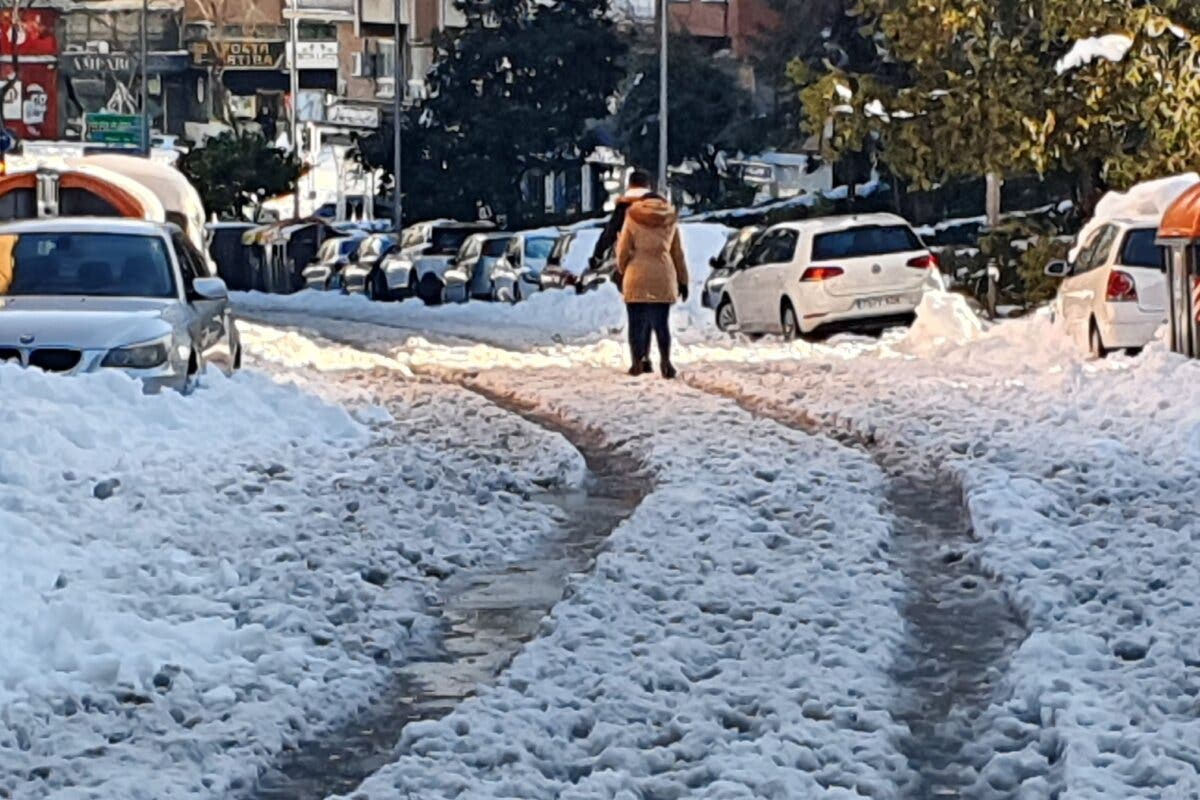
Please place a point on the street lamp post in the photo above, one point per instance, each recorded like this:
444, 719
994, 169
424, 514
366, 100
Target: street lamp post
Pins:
397, 135
143, 99
294, 76
663, 122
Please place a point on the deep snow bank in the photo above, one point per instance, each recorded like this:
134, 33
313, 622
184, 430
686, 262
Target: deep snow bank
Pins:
263, 562
543, 319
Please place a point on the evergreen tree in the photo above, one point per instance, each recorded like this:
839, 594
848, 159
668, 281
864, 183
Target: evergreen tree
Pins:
236, 171
513, 90
709, 114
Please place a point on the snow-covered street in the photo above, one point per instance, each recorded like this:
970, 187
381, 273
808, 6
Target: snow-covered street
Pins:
953, 561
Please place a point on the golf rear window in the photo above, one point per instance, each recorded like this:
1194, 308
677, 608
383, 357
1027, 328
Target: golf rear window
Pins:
868, 240
1140, 250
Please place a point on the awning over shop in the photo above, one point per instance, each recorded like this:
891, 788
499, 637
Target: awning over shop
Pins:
252, 81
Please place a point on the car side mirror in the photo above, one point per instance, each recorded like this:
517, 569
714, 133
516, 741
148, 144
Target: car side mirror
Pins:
210, 289
1058, 269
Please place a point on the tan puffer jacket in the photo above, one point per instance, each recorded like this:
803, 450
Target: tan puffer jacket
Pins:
650, 253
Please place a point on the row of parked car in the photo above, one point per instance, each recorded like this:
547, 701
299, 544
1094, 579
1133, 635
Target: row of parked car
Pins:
453, 262
871, 271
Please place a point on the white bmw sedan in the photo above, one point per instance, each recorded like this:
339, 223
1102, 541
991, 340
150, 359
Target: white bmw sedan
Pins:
865, 272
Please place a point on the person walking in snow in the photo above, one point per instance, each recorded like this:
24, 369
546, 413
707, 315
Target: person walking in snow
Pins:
653, 275
639, 187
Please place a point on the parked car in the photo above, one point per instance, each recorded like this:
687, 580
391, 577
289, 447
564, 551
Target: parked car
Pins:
865, 272
81, 295
727, 262
1114, 295
470, 275
324, 272
363, 273
418, 268
569, 258
518, 274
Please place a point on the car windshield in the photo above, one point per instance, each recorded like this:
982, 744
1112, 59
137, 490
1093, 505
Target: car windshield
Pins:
448, 241
88, 264
494, 248
868, 240
538, 249
1141, 251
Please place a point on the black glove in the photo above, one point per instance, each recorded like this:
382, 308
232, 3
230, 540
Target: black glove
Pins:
683, 292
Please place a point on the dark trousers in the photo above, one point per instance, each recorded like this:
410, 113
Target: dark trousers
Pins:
646, 319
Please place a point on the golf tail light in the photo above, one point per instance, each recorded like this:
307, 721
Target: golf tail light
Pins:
927, 261
816, 274
1121, 288
144, 356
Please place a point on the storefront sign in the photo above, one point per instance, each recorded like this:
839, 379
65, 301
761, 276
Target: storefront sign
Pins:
352, 116
88, 64
240, 54
31, 102
315, 55
35, 33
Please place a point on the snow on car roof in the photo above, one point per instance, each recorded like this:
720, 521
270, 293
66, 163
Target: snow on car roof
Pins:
138, 227
843, 221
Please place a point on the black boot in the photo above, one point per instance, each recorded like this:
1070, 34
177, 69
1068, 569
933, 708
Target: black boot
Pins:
638, 369
647, 366
668, 370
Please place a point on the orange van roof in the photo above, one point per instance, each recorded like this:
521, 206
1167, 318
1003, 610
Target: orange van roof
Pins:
1182, 220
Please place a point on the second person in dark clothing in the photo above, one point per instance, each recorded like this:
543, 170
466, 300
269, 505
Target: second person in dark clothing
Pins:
654, 275
639, 187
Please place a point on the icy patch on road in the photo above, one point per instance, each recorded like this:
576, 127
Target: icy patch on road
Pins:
733, 640
193, 583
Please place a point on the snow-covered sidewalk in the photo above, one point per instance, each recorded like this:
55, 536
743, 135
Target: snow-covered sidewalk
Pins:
732, 641
190, 583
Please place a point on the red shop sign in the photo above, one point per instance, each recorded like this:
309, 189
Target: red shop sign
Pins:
35, 32
31, 102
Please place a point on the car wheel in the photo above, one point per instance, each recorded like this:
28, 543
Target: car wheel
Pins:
376, 287
726, 316
430, 290
788, 321
1096, 343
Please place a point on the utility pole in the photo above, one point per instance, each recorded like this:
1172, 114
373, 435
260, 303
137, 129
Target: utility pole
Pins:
143, 100
294, 75
665, 29
397, 134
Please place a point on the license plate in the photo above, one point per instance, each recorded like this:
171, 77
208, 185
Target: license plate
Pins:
868, 303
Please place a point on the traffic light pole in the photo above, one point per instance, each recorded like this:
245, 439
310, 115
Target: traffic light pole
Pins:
663, 121
397, 133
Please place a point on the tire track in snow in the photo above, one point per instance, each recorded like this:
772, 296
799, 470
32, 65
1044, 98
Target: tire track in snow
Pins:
963, 628
487, 615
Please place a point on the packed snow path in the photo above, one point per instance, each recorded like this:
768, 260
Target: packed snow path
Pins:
486, 616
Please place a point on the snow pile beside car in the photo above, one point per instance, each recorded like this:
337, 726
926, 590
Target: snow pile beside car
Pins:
944, 320
542, 319
733, 639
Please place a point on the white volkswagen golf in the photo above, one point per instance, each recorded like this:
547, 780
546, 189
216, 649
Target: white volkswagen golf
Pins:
1114, 294
865, 272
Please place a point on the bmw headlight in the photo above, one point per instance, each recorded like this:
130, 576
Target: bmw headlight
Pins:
138, 356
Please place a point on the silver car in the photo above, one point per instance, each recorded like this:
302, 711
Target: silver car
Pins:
80, 295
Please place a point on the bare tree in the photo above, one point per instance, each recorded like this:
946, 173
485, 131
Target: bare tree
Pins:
219, 16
